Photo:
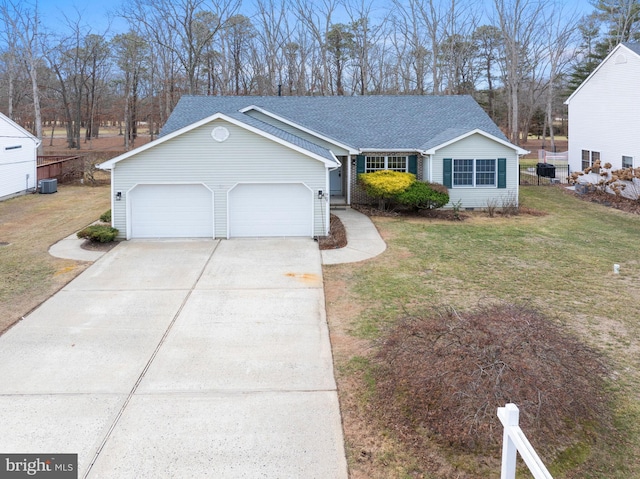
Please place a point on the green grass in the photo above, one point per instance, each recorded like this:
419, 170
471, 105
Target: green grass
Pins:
560, 263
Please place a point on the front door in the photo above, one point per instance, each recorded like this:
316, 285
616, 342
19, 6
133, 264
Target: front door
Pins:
335, 182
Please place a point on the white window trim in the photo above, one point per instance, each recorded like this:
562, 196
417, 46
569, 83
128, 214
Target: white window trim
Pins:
386, 163
473, 178
582, 159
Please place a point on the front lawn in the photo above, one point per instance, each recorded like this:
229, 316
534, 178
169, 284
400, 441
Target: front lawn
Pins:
560, 264
29, 225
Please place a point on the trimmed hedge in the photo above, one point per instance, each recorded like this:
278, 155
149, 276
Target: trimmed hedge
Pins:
98, 233
424, 196
106, 217
385, 184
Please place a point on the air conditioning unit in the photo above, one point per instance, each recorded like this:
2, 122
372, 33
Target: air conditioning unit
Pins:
48, 186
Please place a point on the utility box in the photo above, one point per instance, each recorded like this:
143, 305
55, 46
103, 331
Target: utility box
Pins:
48, 186
546, 170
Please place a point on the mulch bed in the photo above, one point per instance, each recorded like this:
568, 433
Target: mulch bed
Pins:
94, 246
437, 214
337, 235
607, 199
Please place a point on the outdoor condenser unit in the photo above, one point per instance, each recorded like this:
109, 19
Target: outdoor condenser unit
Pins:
48, 186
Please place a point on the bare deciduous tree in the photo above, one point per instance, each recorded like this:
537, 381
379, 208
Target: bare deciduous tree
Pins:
22, 23
519, 22
181, 28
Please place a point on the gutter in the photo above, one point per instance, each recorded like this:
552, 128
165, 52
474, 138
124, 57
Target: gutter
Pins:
399, 150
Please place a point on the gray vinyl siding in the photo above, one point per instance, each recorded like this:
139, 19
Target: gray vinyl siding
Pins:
194, 157
299, 133
477, 147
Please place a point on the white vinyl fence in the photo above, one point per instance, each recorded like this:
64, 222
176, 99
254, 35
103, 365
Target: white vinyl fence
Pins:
514, 441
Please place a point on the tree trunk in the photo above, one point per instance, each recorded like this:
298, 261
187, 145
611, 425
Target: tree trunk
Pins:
33, 73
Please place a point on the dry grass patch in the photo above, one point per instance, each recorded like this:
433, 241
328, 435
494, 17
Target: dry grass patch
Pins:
31, 224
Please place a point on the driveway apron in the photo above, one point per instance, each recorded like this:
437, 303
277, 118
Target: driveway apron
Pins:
180, 359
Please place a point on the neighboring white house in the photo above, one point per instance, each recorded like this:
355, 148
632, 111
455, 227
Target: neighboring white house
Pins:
269, 166
604, 113
18, 159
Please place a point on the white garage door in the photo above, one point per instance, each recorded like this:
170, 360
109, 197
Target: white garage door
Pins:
275, 209
171, 211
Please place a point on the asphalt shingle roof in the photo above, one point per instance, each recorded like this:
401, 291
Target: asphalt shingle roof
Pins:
283, 135
362, 122
634, 47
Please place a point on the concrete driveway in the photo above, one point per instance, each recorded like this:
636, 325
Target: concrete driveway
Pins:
172, 359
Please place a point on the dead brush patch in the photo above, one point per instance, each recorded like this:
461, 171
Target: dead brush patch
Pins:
337, 235
441, 376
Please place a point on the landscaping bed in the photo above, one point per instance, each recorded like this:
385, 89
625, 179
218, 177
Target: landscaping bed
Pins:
606, 199
337, 235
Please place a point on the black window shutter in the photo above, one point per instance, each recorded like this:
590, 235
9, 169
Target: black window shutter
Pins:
413, 164
360, 164
446, 172
502, 172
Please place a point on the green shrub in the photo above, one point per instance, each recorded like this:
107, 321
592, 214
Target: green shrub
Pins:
106, 217
385, 184
424, 196
98, 233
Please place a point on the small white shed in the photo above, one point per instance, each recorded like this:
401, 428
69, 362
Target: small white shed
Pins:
18, 159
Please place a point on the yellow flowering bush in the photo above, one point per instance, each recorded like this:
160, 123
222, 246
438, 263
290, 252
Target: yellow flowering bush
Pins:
385, 184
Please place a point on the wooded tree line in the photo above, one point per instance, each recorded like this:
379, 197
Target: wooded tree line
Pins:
518, 58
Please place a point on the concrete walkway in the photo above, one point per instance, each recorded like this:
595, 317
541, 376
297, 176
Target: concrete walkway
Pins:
180, 359
363, 239
71, 248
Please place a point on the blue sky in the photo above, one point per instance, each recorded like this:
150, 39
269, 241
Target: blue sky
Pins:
97, 14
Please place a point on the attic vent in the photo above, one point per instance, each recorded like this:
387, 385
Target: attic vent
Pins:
220, 133
621, 59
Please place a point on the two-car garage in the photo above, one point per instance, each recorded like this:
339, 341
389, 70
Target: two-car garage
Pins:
187, 210
222, 177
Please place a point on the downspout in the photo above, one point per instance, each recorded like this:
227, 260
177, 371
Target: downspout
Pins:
112, 187
113, 196
37, 142
349, 180
517, 168
327, 195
